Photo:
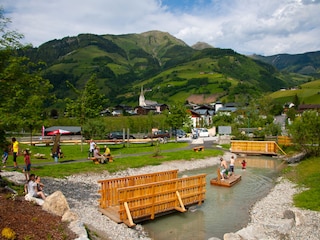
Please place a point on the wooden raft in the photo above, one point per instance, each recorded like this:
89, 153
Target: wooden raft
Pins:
229, 182
141, 202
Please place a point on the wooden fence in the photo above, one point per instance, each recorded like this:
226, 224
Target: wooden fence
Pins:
256, 147
109, 187
146, 201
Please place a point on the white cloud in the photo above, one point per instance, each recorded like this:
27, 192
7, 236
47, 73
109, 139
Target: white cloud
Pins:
247, 26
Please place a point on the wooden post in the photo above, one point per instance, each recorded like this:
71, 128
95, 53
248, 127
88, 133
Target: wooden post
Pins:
218, 175
129, 214
183, 209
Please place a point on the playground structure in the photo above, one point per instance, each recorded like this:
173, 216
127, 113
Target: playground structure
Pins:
256, 147
143, 197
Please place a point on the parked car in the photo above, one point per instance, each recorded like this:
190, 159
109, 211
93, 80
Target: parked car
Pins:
158, 134
203, 132
118, 135
179, 133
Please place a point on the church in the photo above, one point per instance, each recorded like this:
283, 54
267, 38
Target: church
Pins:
146, 106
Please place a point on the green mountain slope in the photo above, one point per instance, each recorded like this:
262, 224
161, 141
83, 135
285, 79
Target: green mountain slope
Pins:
306, 63
308, 93
168, 68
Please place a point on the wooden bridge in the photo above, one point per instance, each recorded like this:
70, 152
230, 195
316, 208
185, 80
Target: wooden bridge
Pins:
142, 197
256, 147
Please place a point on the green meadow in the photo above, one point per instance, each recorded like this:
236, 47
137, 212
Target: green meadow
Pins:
308, 93
135, 156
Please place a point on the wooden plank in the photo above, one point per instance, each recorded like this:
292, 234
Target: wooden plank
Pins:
131, 223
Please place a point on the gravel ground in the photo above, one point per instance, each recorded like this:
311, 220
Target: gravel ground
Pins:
81, 192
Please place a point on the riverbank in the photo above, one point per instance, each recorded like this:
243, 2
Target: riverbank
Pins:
81, 192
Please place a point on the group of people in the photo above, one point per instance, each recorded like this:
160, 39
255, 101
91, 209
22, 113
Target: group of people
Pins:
226, 171
94, 151
34, 187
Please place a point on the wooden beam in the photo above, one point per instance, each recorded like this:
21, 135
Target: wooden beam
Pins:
131, 223
180, 201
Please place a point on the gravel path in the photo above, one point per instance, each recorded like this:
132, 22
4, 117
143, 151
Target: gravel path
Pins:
81, 192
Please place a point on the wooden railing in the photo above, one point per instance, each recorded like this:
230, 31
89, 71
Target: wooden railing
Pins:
284, 140
255, 147
148, 200
109, 187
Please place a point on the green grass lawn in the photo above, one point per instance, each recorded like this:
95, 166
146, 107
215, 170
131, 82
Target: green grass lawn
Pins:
306, 174
134, 156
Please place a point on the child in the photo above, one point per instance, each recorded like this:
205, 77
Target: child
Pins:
244, 164
4, 157
27, 164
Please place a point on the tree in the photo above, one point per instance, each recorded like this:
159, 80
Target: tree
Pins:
305, 132
22, 90
177, 116
89, 103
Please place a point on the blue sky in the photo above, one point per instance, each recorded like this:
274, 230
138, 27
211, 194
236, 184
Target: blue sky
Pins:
246, 26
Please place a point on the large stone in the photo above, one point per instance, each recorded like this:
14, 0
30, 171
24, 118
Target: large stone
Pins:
70, 216
300, 218
231, 236
56, 203
252, 232
29, 198
288, 214
280, 225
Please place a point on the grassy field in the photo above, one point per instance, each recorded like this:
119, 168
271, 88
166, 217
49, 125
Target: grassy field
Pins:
306, 174
308, 94
137, 155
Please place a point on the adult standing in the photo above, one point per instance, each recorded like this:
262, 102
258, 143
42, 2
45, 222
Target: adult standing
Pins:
15, 151
91, 148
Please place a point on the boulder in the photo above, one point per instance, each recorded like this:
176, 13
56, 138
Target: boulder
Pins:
252, 232
288, 214
300, 218
56, 203
70, 216
38, 201
231, 236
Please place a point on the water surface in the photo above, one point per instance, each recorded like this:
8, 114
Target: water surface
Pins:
224, 209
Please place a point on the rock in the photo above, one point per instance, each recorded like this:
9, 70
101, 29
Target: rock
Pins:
252, 232
56, 203
300, 218
281, 225
231, 236
288, 214
29, 198
78, 228
70, 216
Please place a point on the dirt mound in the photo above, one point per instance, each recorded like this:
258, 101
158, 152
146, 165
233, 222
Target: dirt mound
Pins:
202, 98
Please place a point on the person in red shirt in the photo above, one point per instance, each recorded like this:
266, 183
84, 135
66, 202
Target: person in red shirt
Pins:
244, 164
27, 162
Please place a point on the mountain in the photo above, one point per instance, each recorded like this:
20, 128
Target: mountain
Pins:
306, 63
165, 66
201, 46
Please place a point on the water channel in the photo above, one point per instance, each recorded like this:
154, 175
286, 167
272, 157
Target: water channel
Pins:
224, 209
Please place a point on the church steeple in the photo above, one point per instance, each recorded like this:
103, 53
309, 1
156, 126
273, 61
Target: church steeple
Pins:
142, 102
